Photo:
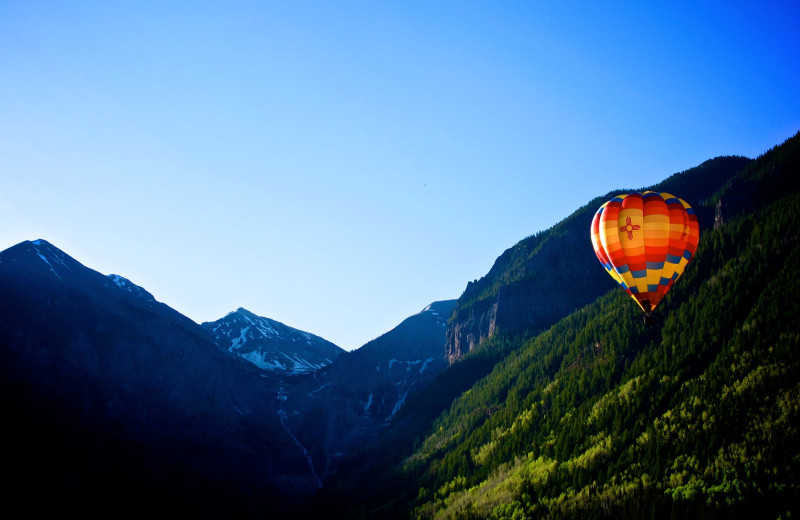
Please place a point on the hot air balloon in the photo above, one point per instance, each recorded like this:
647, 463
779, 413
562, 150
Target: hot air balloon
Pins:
644, 241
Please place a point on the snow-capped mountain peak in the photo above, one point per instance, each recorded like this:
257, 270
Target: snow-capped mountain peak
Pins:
270, 344
41, 258
42, 261
54, 258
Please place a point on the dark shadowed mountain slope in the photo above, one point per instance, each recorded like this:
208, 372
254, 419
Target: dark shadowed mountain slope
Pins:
381, 374
351, 402
271, 345
114, 402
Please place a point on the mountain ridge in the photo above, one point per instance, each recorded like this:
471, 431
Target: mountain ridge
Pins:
270, 344
135, 385
126, 401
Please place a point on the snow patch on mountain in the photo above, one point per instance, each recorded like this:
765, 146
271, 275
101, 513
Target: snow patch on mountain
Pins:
311, 394
425, 365
37, 244
136, 290
397, 405
309, 460
271, 345
409, 364
441, 320
240, 341
260, 360
50, 265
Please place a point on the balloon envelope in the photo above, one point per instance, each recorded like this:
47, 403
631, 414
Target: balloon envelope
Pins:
644, 241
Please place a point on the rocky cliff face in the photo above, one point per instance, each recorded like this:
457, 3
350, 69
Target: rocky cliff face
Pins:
551, 274
557, 277
470, 326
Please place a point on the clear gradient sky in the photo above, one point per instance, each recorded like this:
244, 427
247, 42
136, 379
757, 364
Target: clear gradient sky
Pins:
339, 165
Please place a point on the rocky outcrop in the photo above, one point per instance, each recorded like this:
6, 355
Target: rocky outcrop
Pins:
562, 276
470, 326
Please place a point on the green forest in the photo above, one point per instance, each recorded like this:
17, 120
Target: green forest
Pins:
599, 416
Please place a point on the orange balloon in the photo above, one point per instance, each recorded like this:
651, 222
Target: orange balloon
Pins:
645, 241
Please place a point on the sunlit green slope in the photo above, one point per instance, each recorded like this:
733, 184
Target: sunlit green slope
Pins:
697, 416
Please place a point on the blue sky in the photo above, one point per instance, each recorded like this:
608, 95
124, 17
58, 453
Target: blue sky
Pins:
337, 166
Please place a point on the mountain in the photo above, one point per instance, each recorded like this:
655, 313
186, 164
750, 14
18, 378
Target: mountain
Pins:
271, 345
348, 404
124, 404
599, 416
546, 276
381, 373
539, 393
115, 403
129, 286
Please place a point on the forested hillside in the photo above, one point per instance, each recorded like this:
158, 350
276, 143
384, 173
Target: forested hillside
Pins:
523, 292
601, 417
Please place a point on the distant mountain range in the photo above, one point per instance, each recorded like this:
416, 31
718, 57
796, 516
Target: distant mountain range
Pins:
538, 393
122, 398
119, 399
